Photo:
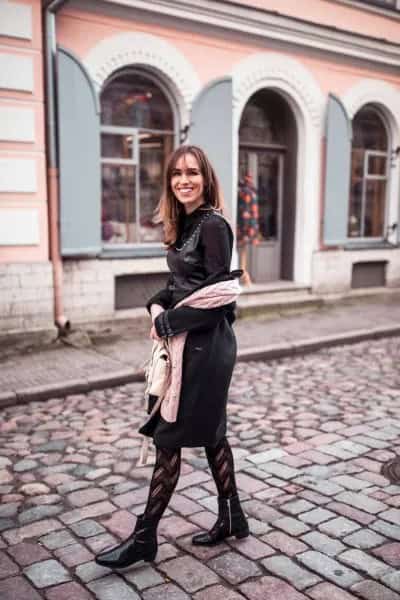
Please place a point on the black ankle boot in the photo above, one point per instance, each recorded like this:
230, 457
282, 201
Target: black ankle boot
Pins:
140, 545
231, 521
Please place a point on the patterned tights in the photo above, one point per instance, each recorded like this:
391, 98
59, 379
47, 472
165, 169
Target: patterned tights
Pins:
167, 469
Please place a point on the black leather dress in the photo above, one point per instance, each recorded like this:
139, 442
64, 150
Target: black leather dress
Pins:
201, 256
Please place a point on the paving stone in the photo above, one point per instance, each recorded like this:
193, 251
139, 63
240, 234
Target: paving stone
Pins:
99, 542
234, 568
14, 536
91, 571
323, 543
291, 526
364, 539
392, 515
352, 513
371, 590
364, 562
165, 551
361, 502
17, 588
73, 555
7, 566
390, 553
94, 510
391, 531
284, 543
351, 483
329, 568
338, 527
87, 528
68, 591
316, 516
279, 470
144, 577
327, 591
249, 484
111, 588
175, 527
271, 588
284, 567
166, 592
28, 553
217, 592
46, 573
38, 513
57, 539
189, 573
84, 497
298, 506
392, 579
203, 553
322, 487
263, 457
251, 547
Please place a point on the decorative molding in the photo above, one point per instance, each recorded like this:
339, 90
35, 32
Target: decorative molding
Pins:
270, 25
147, 50
16, 20
277, 71
297, 85
377, 92
16, 72
17, 124
18, 175
19, 227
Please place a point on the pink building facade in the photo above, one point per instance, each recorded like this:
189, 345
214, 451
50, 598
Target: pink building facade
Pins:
305, 103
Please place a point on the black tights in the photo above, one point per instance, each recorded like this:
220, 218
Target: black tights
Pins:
167, 469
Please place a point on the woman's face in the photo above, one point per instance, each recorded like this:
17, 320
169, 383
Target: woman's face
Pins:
187, 183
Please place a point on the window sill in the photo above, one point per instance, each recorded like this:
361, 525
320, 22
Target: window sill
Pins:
129, 251
364, 245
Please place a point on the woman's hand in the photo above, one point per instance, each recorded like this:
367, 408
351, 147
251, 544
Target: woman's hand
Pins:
155, 310
154, 335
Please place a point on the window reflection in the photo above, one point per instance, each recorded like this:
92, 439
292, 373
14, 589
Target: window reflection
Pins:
368, 175
137, 136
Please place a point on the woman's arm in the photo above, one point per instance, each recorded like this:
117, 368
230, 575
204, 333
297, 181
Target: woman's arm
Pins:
161, 298
216, 240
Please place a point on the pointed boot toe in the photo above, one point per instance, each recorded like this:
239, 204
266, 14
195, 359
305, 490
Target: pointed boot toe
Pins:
141, 545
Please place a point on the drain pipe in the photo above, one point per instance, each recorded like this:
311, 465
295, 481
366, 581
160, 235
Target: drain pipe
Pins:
50, 8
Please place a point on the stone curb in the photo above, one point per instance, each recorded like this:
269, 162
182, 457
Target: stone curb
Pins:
268, 352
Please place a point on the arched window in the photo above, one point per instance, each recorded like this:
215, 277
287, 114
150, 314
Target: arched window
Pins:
137, 136
369, 175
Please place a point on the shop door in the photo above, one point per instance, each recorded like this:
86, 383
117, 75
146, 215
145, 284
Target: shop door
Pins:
265, 167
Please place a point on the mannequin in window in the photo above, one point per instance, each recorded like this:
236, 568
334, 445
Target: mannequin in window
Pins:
247, 222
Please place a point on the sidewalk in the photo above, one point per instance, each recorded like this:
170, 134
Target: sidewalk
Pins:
117, 357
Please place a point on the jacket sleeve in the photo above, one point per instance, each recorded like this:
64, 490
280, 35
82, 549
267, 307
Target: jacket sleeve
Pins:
216, 239
163, 297
185, 318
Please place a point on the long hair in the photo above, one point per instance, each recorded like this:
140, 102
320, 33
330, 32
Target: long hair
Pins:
170, 210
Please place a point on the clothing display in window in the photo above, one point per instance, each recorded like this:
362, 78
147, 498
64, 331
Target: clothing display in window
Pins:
248, 214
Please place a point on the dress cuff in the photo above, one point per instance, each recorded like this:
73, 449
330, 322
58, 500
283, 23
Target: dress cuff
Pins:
162, 325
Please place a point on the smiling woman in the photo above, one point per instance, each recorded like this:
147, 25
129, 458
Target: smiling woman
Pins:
193, 317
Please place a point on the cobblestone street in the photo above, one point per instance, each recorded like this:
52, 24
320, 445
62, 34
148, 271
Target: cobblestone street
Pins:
310, 435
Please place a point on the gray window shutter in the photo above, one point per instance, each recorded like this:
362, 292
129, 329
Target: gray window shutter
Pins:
337, 173
79, 158
212, 130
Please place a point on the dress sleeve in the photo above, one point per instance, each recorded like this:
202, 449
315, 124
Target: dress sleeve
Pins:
216, 239
186, 318
163, 297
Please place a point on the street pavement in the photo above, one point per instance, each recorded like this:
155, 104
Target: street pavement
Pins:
310, 435
115, 354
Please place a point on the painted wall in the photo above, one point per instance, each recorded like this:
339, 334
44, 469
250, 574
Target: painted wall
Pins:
334, 14
23, 198
82, 31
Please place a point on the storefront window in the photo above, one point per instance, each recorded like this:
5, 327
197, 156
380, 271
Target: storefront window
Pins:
137, 136
369, 174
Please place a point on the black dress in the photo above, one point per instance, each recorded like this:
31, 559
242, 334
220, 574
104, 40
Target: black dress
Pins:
201, 256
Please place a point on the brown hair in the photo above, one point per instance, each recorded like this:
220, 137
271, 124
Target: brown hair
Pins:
169, 209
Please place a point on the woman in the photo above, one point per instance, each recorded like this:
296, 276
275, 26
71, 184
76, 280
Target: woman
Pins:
199, 242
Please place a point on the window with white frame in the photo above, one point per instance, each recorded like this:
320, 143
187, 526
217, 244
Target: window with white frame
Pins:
137, 136
369, 175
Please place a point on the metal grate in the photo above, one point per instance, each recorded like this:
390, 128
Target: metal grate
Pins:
368, 274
